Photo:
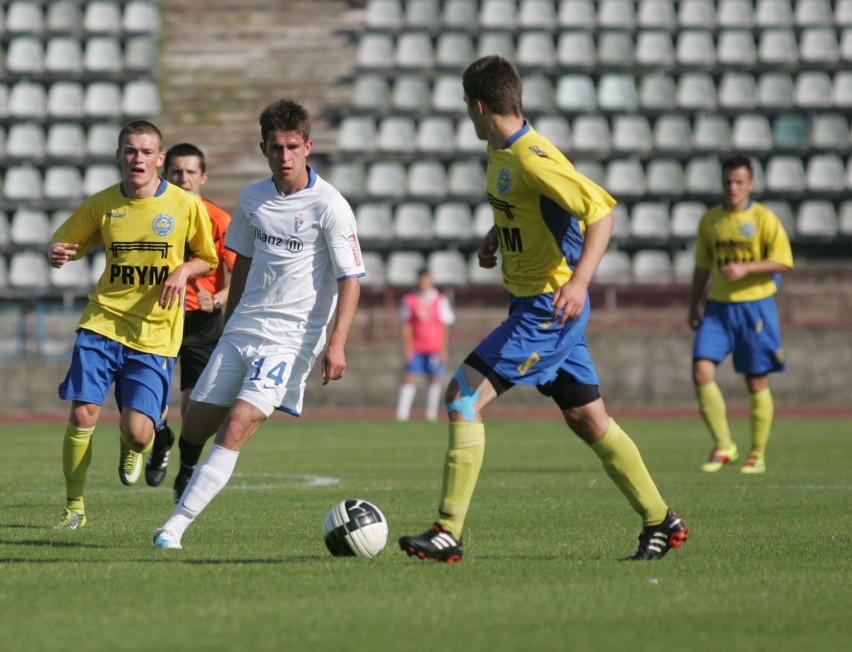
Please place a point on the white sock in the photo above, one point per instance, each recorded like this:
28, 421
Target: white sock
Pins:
433, 400
207, 481
407, 392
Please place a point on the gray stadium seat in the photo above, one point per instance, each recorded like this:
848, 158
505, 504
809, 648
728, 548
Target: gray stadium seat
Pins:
63, 55
435, 135
696, 91
652, 266
537, 14
461, 14
102, 140
780, 208
683, 264
538, 94
650, 221
616, 50
736, 47
825, 173
375, 221
616, 14
575, 50
427, 180
414, 51
576, 94
25, 142
556, 129
751, 133
22, 183
830, 131
375, 52
102, 100
63, 182
497, 14
657, 92
591, 135
656, 14
27, 100
382, 15
631, 134
29, 228
654, 48
403, 267
775, 91
617, 92
625, 178
704, 176
140, 99
396, 135
841, 91
350, 178
452, 221
665, 177
102, 17
448, 96
621, 222
412, 221
696, 14
25, 56
63, 17
778, 47
499, 43
454, 50
736, 14
535, 51
614, 267
466, 141
737, 91
66, 140
685, 217
844, 220
386, 179
846, 45
816, 219
695, 49
371, 92
423, 14
102, 55
785, 175
813, 13
375, 267
790, 132
711, 133
773, 14
24, 17
448, 268
483, 219
818, 46
357, 134
66, 100
466, 180
577, 14
99, 176
672, 133
812, 89
140, 54
410, 94
28, 270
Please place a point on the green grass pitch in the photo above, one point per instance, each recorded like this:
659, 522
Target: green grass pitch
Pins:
767, 565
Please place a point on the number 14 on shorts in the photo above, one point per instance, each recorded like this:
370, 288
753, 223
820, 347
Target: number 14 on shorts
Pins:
275, 374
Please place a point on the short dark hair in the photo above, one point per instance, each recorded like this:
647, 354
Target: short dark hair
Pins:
737, 161
184, 149
285, 115
138, 127
496, 82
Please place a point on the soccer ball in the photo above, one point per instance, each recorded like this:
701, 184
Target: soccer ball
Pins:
355, 528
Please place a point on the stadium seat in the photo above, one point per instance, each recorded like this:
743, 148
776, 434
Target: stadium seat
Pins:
775, 91
538, 94
412, 221
685, 217
460, 14
396, 135
816, 219
483, 275
696, 14
813, 13
785, 175
23, 17
790, 132
844, 220
22, 183
63, 182
537, 14
454, 50
374, 265
29, 271
102, 55
652, 266
466, 140
621, 222
97, 266
403, 267
575, 51
593, 170
63, 17
696, 92
435, 136
535, 51
654, 48
843, 13
357, 134
383, 15
577, 15
448, 268
99, 176
695, 49
576, 93
778, 47
773, 14
672, 133
665, 177
4, 101
497, 14
140, 55
737, 91
656, 14
102, 140
411, 94
427, 180
650, 221
140, 99
25, 56
59, 217
818, 46
631, 134
499, 43
616, 50
140, 17
711, 133
25, 142
466, 180
683, 264
736, 14
102, 17
751, 133
736, 47
781, 209
453, 221
591, 135
29, 228
448, 96
66, 140
375, 52
616, 14
704, 176
824, 173
657, 92
371, 92
73, 275
423, 15
617, 92
375, 221
350, 178
846, 45
483, 219
386, 179
63, 55
841, 91
27, 100
4, 232
614, 267
625, 178
102, 101
556, 129
830, 131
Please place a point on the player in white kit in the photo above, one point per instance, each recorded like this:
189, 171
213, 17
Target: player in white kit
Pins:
297, 272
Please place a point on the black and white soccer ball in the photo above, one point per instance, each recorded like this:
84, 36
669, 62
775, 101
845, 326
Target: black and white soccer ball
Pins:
355, 528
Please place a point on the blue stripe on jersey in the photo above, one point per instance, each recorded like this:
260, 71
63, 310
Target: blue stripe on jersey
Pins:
312, 177
565, 229
520, 132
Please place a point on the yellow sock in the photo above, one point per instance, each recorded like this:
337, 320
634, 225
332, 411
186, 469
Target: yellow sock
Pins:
125, 446
623, 463
762, 411
149, 446
713, 410
76, 457
461, 471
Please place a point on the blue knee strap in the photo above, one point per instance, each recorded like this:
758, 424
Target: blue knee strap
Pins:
466, 402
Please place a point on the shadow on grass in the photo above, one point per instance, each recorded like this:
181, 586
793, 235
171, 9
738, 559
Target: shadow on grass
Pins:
189, 562
49, 543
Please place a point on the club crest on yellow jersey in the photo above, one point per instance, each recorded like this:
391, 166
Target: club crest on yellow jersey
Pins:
504, 181
163, 224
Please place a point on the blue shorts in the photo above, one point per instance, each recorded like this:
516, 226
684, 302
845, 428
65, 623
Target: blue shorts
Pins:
428, 364
142, 380
530, 348
749, 329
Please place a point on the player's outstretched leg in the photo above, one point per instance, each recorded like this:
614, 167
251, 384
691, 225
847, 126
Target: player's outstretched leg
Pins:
158, 460
656, 540
435, 544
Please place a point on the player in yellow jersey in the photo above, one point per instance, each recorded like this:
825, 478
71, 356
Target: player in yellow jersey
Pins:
156, 236
741, 247
552, 225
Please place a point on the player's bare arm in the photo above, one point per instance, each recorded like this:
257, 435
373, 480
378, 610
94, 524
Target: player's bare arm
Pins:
700, 279
570, 299
175, 285
334, 361
61, 252
487, 250
736, 271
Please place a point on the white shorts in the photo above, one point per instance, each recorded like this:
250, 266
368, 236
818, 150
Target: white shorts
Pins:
269, 376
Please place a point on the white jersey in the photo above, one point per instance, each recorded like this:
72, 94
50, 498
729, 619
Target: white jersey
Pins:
301, 245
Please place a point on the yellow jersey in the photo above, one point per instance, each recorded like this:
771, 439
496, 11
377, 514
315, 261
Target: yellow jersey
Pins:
145, 240
541, 207
752, 234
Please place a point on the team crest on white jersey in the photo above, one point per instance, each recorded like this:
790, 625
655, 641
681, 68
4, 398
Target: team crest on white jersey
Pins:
163, 224
298, 222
